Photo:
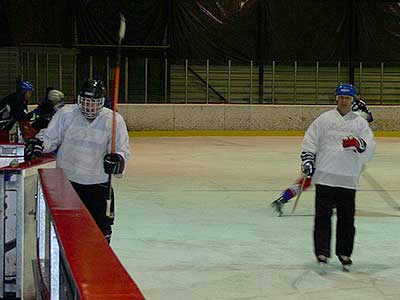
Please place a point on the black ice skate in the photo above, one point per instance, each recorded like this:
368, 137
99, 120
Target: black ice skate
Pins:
277, 205
346, 262
322, 260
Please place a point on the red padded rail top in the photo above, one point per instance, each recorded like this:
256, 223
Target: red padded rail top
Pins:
97, 271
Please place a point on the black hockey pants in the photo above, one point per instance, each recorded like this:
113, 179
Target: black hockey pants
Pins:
326, 198
94, 196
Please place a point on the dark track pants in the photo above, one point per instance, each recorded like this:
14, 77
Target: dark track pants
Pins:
94, 196
326, 198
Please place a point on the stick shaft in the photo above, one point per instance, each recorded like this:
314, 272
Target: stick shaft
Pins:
115, 102
298, 195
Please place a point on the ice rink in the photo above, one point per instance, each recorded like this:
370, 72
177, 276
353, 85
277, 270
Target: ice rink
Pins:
194, 221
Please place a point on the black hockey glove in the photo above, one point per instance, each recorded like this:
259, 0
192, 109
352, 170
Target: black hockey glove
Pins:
114, 163
308, 163
359, 105
33, 149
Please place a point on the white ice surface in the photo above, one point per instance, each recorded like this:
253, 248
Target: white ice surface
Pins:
194, 222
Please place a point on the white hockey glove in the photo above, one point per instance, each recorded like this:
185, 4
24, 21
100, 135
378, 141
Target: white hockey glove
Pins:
308, 163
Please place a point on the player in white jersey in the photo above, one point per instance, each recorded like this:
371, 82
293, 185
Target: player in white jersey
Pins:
335, 147
359, 107
82, 134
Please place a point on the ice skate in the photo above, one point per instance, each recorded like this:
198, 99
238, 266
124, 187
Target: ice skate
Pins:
346, 262
277, 205
322, 262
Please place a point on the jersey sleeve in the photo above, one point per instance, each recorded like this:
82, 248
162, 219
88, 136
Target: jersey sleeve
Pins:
122, 139
311, 137
52, 136
367, 135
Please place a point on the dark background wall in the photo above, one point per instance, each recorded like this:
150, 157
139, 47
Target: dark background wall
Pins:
260, 30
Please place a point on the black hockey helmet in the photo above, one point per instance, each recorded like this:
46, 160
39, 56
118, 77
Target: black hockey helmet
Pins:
91, 98
92, 89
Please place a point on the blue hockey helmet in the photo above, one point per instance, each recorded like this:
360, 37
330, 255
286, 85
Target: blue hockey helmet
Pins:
25, 86
346, 89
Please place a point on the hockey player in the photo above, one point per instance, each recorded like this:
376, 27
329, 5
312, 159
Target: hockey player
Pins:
46, 109
288, 194
335, 147
13, 108
83, 135
359, 107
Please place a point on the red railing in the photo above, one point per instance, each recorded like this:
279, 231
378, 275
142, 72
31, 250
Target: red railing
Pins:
89, 263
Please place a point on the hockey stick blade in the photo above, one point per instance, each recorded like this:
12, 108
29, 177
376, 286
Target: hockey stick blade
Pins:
122, 29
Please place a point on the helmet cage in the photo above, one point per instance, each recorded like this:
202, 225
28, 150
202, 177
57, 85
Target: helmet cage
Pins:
90, 107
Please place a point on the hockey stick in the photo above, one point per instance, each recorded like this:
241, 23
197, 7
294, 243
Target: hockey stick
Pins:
121, 35
298, 195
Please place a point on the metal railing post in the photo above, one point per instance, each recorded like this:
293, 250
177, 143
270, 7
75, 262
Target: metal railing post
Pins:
146, 70
166, 81
338, 73
273, 82
186, 80
360, 77
21, 64
229, 80
28, 67
381, 84
251, 81
295, 82
108, 75
126, 73
90, 67
75, 77
317, 83
37, 75
207, 78
60, 70
47, 70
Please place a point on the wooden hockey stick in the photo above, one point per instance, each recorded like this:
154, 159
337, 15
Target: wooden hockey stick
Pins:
298, 195
121, 35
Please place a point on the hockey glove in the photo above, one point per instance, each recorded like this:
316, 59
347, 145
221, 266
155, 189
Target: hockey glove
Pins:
114, 163
308, 163
354, 143
33, 149
359, 105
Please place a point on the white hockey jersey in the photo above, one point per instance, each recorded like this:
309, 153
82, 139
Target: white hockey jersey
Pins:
335, 165
84, 144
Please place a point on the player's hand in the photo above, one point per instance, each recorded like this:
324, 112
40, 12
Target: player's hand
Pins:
354, 143
308, 168
114, 163
308, 163
33, 149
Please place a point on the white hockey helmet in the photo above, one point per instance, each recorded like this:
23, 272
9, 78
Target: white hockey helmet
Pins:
55, 97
